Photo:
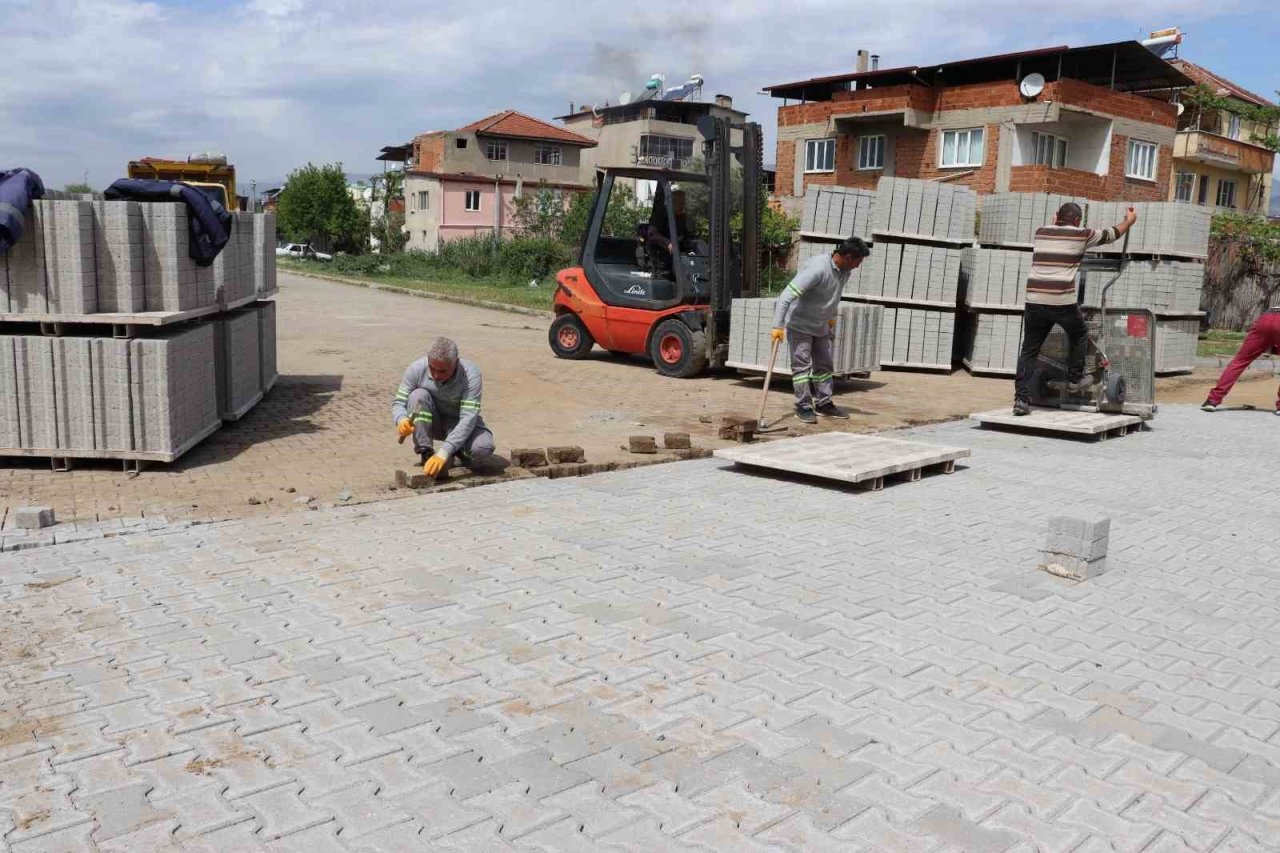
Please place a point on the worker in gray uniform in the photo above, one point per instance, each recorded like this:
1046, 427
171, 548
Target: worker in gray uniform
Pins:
806, 310
439, 400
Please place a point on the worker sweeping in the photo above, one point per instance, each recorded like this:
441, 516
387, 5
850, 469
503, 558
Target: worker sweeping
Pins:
1263, 337
439, 400
1051, 296
806, 310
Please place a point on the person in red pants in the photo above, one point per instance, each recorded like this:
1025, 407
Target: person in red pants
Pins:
1263, 337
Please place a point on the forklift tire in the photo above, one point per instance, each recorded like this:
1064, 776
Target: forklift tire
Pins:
677, 350
569, 338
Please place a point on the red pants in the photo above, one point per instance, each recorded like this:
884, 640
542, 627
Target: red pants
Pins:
1264, 336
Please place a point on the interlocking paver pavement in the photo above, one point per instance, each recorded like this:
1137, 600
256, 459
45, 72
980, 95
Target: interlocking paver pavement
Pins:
678, 658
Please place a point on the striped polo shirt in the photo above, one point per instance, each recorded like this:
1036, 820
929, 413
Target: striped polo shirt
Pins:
1055, 261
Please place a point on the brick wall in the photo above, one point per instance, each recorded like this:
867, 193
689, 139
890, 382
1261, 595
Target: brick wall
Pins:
1026, 179
428, 152
1103, 100
784, 181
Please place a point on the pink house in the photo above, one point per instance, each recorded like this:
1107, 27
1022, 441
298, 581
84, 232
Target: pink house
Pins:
464, 182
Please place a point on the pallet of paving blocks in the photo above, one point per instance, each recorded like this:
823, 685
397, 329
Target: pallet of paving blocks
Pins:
832, 214
141, 399
84, 255
909, 274
1163, 285
1011, 219
1177, 338
994, 278
1163, 229
924, 210
920, 338
857, 338
992, 341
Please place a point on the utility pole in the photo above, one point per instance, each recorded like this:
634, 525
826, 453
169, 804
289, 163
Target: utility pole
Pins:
253, 191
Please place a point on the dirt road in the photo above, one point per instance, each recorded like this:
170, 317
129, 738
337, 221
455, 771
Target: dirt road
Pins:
326, 427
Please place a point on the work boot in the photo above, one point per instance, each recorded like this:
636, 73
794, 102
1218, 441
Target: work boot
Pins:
1021, 407
1208, 406
806, 415
831, 410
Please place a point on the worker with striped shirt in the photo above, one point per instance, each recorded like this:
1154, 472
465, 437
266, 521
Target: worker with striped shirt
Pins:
439, 399
1051, 295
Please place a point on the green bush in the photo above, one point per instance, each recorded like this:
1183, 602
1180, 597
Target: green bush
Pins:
512, 261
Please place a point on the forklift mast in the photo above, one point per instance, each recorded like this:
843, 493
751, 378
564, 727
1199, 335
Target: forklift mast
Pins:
734, 268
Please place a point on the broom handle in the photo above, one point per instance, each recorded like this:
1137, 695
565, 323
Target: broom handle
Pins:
768, 377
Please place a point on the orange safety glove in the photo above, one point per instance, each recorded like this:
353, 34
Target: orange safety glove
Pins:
777, 335
433, 466
404, 428
832, 322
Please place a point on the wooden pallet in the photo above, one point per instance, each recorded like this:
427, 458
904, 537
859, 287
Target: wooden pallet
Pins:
60, 459
1062, 422
860, 460
989, 371
127, 324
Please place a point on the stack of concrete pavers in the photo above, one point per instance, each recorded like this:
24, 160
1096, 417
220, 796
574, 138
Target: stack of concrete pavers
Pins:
993, 342
173, 382
832, 214
154, 392
1012, 219
1164, 272
1076, 546
267, 344
856, 338
238, 362
920, 229
118, 241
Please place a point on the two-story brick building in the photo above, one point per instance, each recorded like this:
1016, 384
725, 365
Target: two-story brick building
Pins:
1219, 158
1060, 119
459, 183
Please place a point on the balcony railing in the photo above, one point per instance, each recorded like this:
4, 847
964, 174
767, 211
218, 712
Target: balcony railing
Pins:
660, 161
1235, 154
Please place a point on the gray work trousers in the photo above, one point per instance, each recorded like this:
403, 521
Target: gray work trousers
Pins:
812, 366
429, 427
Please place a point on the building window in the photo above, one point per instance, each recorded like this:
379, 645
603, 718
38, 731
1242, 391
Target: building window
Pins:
1226, 193
547, 155
1048, 149
424, 200
1185, 187
1141, 162
460, 143
1203, 196
473, 200
963, 147
495, 149
871, 152
671, 152
1233, 127
820, 155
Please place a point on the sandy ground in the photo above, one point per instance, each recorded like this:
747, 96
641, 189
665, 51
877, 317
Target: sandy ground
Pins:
326, 429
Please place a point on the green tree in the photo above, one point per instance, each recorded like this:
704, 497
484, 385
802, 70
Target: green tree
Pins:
78, 188
621, 217
315, 207
389, 228
540, 213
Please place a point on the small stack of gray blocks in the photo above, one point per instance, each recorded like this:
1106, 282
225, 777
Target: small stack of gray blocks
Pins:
838, 212
1177, 339
994, 342
83, 255
917, 337
994, 278
856, 347
928, 210
1076, 547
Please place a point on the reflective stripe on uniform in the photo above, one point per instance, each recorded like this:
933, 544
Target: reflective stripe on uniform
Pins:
423, 417
801, 377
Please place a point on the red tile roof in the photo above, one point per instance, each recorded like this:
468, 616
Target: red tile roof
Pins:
1221, 85
517, 124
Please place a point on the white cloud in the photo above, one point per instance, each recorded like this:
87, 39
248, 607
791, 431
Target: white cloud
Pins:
275, 83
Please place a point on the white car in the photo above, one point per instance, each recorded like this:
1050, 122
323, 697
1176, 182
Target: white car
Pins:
301, 251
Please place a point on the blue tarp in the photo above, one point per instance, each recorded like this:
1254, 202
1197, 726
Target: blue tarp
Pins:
18, 188
209, 222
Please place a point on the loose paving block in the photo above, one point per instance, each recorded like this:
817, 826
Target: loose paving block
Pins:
1061, 422
734, 428
560, 455
676, 441
1076, 546
642, 444
32, 517
523, 457
846, 457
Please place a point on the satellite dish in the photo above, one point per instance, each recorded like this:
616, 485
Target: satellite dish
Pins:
1031, 85
1182, 108
625, 98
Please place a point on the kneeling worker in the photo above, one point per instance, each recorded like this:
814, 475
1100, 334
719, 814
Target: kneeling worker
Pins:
439, 399
807, 309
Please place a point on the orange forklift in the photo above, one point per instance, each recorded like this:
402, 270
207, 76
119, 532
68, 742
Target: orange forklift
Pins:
667, 298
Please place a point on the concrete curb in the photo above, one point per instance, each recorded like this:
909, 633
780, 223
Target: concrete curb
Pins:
423, 294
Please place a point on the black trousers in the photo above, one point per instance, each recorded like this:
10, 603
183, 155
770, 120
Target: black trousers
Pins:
1038, 321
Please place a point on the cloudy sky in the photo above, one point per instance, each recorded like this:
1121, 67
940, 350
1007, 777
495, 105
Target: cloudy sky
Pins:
90, 84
